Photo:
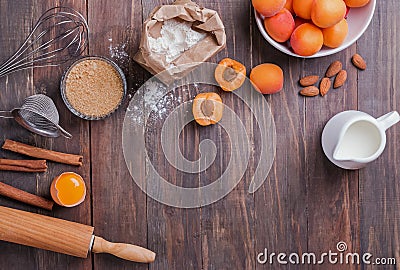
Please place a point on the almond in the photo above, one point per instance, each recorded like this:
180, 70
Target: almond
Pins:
309, 91
334, 69
309, 80
324, 86
358, 62
340, 79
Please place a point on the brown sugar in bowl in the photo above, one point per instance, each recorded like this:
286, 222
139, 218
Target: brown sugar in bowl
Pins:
93, 87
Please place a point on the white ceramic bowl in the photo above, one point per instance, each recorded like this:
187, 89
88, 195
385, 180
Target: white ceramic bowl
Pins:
358, 20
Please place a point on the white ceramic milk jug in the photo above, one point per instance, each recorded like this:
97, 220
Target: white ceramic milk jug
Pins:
352, 139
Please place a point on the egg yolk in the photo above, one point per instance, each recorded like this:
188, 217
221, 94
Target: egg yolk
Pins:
71, 188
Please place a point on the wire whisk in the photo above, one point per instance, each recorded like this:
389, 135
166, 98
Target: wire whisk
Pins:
59, 35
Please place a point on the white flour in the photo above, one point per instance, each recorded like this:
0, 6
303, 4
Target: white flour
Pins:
176, 38
157, 101
154, 92
119, 55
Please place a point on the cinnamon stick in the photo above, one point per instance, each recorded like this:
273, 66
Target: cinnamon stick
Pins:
20, 169
41, 153
28, 163
23, 165
25, 197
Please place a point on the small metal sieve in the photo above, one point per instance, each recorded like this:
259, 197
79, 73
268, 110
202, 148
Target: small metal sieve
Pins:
39, 115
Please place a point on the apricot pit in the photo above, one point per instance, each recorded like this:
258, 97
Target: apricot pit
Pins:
207, 108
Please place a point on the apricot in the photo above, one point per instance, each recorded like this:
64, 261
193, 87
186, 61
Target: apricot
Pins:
280, 26
289, 6
326, 13
347, 12
230, 74
302, 8
307, 39
299, 21
267, 78
207, 108
268, 8
356, 3
335, 35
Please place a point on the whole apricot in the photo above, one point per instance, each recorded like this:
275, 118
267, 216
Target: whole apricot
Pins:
268, 8
299, 21
302, 8
326, 13
207, 108
289, 6
267, 78
347, 12
356, 3
307, 39
280, 26
335, 35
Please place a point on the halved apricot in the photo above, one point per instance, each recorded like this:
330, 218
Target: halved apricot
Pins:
230, 74
207, 108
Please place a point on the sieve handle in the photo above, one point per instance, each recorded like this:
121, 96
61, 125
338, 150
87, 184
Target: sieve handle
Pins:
65, 133
6, 114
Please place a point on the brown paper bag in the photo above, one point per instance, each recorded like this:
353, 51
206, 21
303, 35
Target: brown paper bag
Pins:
203, 19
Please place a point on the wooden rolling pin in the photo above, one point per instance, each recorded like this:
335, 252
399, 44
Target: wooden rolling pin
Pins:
63, 236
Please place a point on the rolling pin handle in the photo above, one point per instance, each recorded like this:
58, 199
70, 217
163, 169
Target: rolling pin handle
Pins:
124, 251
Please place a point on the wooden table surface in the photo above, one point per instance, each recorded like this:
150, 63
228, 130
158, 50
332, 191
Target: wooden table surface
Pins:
306, 203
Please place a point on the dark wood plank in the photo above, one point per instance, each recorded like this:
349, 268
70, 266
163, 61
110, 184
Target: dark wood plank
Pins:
332, 192
46, 81
306, 203
173, 232
227, 226
13, 88
281, 203
312, 205
119, 207
379, 181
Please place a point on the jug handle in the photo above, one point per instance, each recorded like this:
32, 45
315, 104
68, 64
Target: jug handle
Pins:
389, 119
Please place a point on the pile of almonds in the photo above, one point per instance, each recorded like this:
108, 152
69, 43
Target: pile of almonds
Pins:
334, 70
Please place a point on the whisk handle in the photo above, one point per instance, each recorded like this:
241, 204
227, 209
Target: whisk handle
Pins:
6, 114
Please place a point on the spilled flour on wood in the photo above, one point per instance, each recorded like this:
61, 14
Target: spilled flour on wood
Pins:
158, 101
